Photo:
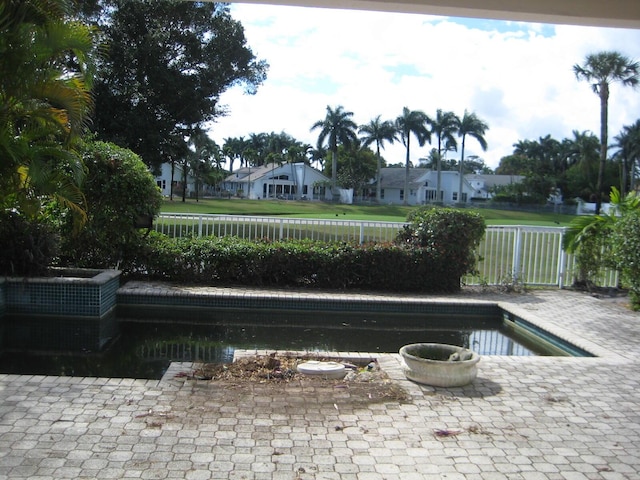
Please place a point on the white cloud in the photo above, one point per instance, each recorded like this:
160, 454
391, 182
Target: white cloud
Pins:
516, 76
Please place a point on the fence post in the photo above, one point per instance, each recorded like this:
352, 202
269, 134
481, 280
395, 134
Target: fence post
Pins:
517, 247
200, 226
281, 229
361, 233
562, 262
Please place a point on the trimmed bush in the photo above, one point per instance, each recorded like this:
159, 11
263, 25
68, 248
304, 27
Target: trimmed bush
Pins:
292, 263
449, 236
119, 189
626, 253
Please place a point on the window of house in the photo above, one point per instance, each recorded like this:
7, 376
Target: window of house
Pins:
454, 196
382, 193
401, 194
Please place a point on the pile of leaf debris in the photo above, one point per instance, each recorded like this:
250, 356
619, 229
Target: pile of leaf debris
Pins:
366, 380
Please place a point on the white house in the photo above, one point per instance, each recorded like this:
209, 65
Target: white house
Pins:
423, 184
290, 181
164, 181
483, 184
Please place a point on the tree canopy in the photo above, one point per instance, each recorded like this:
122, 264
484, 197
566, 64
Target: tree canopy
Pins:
166, 65
45, 64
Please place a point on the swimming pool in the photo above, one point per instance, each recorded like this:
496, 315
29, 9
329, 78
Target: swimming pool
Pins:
146, 347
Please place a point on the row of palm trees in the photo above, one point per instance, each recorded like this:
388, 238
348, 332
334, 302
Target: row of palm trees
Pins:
338, 128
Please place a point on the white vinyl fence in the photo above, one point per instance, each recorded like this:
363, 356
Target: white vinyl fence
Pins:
508, 254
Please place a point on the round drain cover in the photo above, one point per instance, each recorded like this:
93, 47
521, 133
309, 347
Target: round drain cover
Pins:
322, 369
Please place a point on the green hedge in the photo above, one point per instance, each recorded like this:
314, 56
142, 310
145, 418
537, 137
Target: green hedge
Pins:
431, 254
235, 261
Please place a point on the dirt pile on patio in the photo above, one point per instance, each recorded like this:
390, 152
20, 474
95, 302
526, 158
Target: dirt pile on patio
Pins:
278, 375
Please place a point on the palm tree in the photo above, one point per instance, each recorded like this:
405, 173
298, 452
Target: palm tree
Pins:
337, 128
318, 155
471, 125
628, 144
44, 87
412, 121
444, 126
378, 131
601, 69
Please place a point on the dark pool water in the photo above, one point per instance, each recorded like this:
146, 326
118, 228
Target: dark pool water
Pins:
144, 350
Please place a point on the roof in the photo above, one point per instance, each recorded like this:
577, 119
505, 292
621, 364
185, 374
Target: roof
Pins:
241, 175
495, 180
394, 177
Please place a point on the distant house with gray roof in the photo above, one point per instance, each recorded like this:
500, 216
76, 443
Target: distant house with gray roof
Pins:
290, 181
423, 184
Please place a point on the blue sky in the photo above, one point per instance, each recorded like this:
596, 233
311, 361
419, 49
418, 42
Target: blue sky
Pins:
516, 76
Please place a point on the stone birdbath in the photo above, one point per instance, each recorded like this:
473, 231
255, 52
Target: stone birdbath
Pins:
439, 365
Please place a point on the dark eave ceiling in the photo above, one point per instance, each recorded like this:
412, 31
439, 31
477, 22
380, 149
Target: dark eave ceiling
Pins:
605, 13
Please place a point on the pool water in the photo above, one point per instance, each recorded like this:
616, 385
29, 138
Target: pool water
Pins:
145, 349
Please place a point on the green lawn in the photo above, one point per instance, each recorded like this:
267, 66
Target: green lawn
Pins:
392, 213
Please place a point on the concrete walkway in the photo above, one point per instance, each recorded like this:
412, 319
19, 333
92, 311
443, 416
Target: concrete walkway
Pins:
524, 418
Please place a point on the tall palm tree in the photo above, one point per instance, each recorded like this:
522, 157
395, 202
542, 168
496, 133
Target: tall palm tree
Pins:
470, 124
412, 121
378, 131
444, 126
45, 102
337, 128
601, 69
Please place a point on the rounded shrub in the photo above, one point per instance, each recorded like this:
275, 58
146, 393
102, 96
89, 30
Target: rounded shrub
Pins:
449, 236
119, 189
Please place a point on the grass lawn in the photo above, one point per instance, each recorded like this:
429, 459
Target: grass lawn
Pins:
391, 213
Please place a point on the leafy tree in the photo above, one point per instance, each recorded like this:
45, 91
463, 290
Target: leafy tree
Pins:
444, 126
601, 69
514, 164
45, 65
168, 63
378, 131
470, 125
412, 122
356, 168
337, 128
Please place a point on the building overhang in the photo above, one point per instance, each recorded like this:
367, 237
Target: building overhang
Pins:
604, 13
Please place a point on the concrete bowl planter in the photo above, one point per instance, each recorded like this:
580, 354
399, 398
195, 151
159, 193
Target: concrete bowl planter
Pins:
439, 365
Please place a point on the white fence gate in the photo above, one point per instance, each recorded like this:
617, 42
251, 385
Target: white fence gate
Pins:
508, 254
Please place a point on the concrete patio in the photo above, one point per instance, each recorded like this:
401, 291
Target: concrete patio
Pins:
524, 418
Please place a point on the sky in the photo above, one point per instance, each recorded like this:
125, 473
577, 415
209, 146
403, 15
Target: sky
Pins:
517, 77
